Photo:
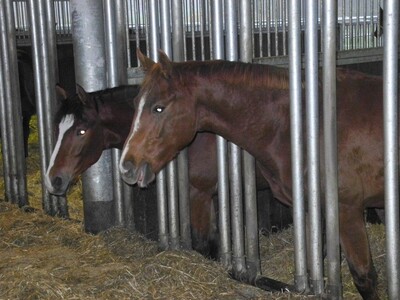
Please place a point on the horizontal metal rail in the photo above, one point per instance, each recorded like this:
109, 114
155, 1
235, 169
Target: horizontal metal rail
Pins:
344, 57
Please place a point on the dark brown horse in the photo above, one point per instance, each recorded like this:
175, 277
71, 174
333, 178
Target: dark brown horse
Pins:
248, 104
88, 123
27, 93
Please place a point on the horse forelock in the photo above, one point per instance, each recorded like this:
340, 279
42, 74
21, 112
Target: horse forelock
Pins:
71, 106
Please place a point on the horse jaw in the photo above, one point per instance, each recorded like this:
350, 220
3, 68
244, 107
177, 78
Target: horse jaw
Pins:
142, 175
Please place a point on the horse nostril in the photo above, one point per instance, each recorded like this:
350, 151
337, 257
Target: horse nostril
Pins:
127, 165
57, 182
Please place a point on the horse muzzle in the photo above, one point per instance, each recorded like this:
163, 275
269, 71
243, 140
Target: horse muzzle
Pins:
141, 175
57, 185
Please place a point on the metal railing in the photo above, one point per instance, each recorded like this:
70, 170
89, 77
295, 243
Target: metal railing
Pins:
358, 24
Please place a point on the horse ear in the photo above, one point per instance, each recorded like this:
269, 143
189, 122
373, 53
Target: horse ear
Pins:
145, 62
83, 96
61, 93
166, 64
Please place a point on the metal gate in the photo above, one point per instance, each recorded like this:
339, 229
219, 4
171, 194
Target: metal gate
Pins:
266, 32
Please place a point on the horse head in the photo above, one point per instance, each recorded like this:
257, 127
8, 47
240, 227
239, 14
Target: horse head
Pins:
79, 141
164, 121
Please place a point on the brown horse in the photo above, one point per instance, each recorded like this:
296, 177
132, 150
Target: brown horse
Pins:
248, 104
27, 93
88, 123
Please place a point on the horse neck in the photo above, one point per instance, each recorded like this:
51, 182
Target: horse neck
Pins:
116, 117
242, 114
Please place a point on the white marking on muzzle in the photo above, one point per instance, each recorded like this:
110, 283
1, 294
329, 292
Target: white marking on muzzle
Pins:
136, 126
65, 124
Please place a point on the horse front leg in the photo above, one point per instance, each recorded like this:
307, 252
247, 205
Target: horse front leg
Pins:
354, 242
203, 223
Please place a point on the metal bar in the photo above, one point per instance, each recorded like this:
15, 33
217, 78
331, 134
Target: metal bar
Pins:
3, 119
12, 134
173, 205
116, 62
253, 262
162, 197
330, 150
314, 205
111, 51
90, 72
218, 52
235, 159
182, 160
172, 184
123, 62
296, 125
391, 146
41, 15
275, 13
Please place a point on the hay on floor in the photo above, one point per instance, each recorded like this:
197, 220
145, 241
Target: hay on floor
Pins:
48, 258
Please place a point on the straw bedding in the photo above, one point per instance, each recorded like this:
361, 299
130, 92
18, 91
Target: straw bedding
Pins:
42, 257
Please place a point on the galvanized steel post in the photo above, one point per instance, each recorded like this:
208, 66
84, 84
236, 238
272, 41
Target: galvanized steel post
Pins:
172, 184
314, 204
253, 262
116, 62
90, 70
178, 37
330, 149
162, 197
391, 146
296, 128
235, 158
11, 116
41, 15
218, 52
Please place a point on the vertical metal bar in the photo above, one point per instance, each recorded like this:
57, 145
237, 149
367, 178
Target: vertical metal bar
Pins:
12, 134
41, 14
111, 56
275, 14
6, 92
116, 63
284, 17
123, 62
3, 119
259, 12
162, 197
218, 52
235, 159
173, 206
90, 72
172, 184
268, 20
192, 21
351, 35
253, 263
300, 254
314, 205
391, 138
330, 150
202, 28
182, 160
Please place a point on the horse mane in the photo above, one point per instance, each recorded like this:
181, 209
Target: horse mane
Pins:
238, 73
74, 105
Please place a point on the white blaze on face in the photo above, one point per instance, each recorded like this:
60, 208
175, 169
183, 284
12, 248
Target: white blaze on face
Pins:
136, 126
63, 127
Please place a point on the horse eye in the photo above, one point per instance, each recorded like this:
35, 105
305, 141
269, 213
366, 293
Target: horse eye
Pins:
158, 109
81, 132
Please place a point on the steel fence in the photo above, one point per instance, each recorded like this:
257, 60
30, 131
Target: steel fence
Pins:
358, 24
